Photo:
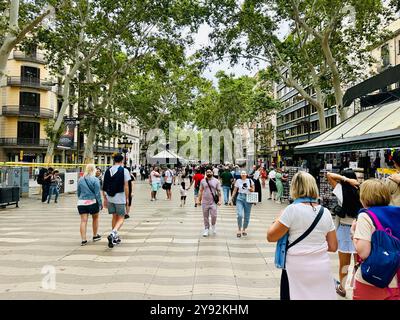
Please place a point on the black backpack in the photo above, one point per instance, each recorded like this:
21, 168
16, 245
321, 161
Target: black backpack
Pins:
40, 178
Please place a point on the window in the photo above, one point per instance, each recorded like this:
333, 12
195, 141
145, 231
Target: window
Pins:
314, 126
28, 133
330, 122
30, 73
29, 103
29, 99
385, 55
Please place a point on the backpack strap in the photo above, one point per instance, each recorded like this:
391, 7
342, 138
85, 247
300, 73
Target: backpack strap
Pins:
375, 220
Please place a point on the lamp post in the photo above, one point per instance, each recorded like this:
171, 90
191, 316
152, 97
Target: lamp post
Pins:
124, 145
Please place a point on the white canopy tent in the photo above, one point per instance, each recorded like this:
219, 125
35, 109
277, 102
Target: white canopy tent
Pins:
167, 157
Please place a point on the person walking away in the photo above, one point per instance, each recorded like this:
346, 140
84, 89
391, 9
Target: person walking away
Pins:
272, 184
210, 196
345, 188
155, 183
216, 172
46, 184
279, 178
227, 180
169, 176
55, 185
183, 192
130, 189
257, 183
36, 174
190, 174
116, 196
393, 182
264, 177
375, 198
198, 177
308, 266
243, 186
89, 202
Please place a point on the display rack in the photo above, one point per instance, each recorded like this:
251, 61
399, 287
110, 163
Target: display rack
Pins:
290, 172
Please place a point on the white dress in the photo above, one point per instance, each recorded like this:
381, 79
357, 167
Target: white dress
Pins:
308, 264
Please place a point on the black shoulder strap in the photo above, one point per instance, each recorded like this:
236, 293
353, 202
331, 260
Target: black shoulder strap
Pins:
311, 228
210, 188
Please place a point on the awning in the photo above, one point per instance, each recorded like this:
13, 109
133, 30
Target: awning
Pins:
164, 155
381, 80
375, 128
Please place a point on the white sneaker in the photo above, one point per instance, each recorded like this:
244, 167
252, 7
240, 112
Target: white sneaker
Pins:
205, 233
213, 230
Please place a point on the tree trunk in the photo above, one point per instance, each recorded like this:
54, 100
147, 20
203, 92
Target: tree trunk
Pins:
321, 111
336, 81
60, 117
50, 152
88, 156
10, 37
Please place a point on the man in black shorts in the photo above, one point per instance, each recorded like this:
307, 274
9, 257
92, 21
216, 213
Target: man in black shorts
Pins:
169, 176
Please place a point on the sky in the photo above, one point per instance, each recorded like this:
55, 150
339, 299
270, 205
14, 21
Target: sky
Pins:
201, 40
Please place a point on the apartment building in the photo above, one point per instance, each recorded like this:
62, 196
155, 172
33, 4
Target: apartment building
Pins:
28, 101
297, 122
30, 97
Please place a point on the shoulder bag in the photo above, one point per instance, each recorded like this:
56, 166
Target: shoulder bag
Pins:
215, 197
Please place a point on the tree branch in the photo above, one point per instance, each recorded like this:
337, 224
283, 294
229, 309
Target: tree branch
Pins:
302, 22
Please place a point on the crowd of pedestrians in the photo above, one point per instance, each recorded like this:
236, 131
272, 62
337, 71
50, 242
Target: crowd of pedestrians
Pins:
367, 217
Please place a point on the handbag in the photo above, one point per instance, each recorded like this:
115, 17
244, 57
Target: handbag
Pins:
283, 243
215, 197
97, 205
252, 197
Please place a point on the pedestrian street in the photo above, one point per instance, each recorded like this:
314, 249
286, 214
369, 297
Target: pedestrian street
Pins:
162, 255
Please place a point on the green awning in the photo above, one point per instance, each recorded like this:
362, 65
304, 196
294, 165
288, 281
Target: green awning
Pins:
375, 128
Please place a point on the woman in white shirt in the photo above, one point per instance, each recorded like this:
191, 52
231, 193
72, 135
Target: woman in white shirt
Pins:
308, 265
243, 186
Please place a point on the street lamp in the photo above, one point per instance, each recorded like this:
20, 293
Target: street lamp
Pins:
124, 145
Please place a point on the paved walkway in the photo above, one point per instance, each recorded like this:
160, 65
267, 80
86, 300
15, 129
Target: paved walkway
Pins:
163, 254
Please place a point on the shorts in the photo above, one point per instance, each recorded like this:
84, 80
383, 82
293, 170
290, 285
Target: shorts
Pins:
196, 191
168, 186
183, 197
90, 209
155, 186
116, 208
344, 239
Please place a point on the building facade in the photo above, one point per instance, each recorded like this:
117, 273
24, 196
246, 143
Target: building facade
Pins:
297, 122
30, 97
28, 101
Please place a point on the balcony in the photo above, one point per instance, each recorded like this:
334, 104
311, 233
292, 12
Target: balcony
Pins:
28, 111
26, 142
29, 82
31, 57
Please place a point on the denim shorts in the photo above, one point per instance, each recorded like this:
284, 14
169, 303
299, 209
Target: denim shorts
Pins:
344, 239
116, 208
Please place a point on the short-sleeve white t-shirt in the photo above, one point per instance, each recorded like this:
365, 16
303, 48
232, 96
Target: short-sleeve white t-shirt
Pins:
168, 176
299, 217
240, 183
